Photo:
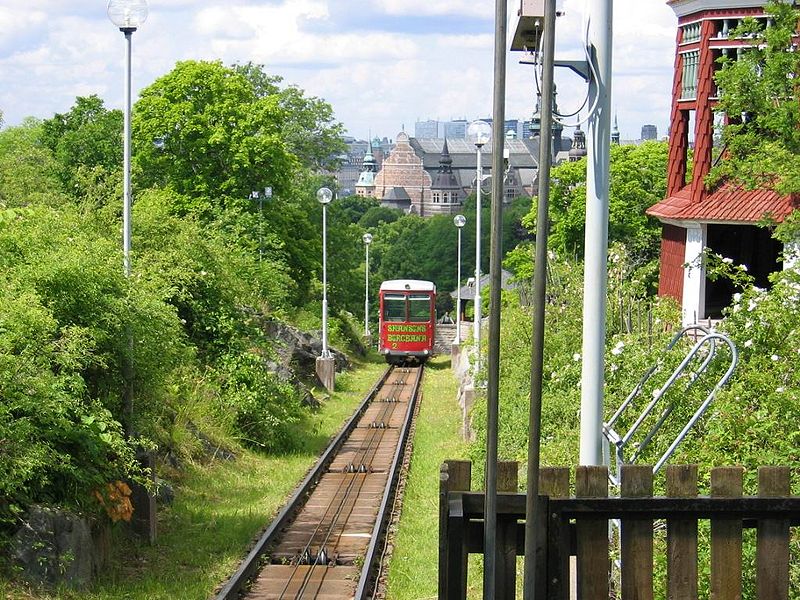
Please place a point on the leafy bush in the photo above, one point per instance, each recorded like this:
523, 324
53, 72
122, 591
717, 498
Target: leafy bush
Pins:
57, 443
264, 411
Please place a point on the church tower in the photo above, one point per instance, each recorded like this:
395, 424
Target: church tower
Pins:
366, 180
446, 193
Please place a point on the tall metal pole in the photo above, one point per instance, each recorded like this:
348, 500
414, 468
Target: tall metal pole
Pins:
366, 291
477, 312
325, 353
595, 279
539, 291
458, 289
126, 159
495, 271
260, 228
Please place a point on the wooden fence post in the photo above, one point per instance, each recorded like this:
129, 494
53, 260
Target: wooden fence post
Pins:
682, 536
454, 475
772, 572
726, 538
636, 536
592, 536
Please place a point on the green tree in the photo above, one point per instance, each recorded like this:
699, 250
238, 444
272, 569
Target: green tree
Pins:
204, 131
759, 94
29, 174
309, 129
377, 215
88, 138
637, 181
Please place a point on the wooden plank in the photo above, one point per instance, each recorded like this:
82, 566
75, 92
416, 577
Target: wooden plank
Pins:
454, 475
592, 536
506, 560
726, 538
681, 536
553, 483
772, 571
636, 536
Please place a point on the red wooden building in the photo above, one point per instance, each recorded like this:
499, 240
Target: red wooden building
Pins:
694, 217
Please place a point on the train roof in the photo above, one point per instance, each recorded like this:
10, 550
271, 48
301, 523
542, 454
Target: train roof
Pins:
401, 285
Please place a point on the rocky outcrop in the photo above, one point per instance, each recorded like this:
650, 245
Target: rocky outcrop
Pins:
297, 353
55, 547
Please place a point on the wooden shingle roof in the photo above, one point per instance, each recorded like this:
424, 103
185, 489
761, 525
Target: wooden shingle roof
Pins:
730, 203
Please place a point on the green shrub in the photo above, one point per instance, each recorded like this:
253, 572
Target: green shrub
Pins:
264, 411
58, 445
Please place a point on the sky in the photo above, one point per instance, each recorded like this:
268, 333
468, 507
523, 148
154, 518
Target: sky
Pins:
381, 64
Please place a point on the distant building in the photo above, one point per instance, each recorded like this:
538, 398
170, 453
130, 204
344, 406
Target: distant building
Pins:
455, 130
615, 132
649, 132
578, 150
426, 129
365, 186
429, 176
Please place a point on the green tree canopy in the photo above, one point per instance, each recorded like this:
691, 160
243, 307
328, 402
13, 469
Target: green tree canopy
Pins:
758, 92
28, 172
638, 180
203, 130
88, 137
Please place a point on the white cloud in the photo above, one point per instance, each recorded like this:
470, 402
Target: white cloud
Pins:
470, 8
377, 79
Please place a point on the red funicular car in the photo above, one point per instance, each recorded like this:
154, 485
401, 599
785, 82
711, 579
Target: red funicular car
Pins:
407, 320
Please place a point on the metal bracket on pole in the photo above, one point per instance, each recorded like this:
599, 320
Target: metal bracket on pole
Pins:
579, 67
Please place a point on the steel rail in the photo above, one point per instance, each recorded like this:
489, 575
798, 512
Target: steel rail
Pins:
365, 585
251, 564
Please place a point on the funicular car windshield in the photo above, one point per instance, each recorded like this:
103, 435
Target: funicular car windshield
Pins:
394, 308
419, 308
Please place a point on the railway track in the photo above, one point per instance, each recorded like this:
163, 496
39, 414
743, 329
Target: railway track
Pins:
326, 542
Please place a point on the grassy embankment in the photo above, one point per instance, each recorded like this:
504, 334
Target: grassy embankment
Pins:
413, 570
219, 508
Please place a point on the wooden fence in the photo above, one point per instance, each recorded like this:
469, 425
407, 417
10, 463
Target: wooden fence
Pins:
579, 527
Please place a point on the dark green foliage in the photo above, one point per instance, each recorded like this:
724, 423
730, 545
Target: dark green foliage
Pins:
265, 410
759, 93
378, 215
86, 139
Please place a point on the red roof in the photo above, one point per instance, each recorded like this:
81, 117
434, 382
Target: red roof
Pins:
728, 203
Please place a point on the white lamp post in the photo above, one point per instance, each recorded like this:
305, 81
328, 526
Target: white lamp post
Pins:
479, 133
367, 238
459, 221
127, 15
324, 197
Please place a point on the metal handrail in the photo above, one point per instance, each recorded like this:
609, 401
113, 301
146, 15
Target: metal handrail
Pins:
709, 342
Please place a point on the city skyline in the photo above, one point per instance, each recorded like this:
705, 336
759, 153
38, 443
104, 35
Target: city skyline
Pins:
382, 65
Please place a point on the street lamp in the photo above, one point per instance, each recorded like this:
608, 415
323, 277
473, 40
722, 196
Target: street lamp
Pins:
127, 15
479, 133
459, 221
324, 197
367, 238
